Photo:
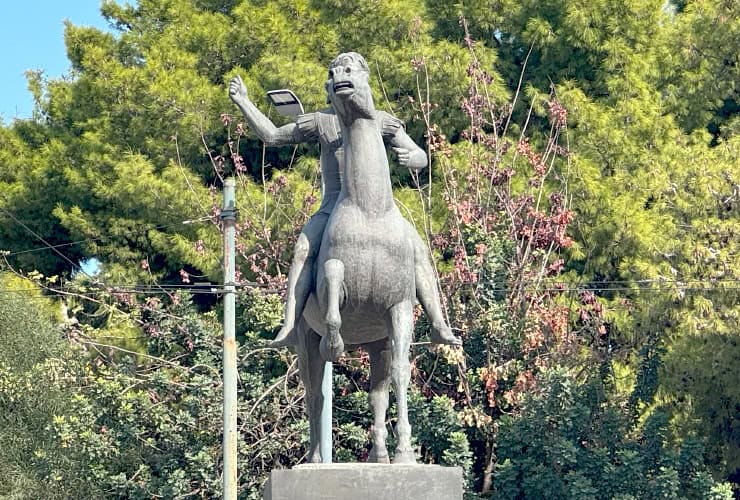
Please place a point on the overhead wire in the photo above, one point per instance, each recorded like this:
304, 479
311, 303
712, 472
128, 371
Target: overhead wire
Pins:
600, 286
195, 288
74, 266
99, 238
215, 289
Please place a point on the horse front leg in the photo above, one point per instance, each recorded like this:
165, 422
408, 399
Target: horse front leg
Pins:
402, 323
380, 381
332, 345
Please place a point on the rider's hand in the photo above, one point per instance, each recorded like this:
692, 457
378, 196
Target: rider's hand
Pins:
411, 158
237, 90
404, 156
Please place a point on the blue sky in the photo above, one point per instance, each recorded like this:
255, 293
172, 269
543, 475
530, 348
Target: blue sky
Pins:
32, 37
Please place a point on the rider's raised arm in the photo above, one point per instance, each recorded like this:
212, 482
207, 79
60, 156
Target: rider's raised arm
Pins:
394, 134
262, 125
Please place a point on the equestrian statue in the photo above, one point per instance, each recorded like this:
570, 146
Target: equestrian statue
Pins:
359, 266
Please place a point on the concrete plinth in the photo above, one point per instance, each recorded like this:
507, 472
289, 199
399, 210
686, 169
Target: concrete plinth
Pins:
365, 482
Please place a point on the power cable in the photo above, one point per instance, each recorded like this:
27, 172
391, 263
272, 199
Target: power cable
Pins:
87, 240
216, 289
711, 284
74, 266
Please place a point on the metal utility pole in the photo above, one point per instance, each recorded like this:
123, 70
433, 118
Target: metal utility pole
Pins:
228, 216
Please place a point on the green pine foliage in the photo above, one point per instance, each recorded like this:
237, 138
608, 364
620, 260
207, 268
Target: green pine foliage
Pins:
582, 208
576, 440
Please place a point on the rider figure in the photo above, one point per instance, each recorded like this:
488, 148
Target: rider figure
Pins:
323, 127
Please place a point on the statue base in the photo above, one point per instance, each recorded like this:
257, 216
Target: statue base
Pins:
363, 480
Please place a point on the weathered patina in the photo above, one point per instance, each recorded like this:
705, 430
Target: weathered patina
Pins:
360, 264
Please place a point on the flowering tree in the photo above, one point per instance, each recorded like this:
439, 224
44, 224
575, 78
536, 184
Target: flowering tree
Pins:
581, 206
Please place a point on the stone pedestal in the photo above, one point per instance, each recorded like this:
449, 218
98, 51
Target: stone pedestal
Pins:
363, 481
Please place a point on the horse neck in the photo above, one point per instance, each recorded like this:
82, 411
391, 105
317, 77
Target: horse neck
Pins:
366, 180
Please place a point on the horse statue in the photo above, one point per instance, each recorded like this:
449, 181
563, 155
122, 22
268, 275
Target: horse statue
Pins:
364, 275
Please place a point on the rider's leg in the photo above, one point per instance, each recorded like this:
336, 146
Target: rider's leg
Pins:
300, 277
428, 295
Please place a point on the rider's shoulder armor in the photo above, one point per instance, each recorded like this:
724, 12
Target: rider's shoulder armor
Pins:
322, 125
389, 125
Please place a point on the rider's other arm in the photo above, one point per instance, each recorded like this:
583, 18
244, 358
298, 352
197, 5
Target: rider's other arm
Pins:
409, 153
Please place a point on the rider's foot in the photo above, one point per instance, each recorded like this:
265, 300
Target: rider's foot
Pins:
285, 337
442, 334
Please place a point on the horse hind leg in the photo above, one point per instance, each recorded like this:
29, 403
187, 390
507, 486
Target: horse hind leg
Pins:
332, 345
311, 369
401, 322
380, 381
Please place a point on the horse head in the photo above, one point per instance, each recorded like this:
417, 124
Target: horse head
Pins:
348, 88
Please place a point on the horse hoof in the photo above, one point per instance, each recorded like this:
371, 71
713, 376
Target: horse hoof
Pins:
404, 457
336, 351
378, 457
331, 351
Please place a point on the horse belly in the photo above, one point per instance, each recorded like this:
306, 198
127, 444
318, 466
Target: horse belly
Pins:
359, 327
378, 276
378, 262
